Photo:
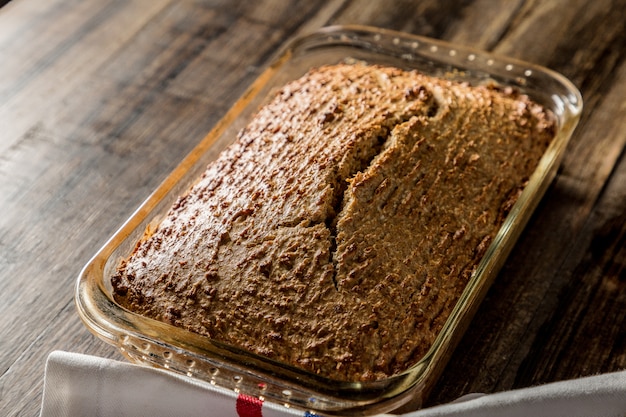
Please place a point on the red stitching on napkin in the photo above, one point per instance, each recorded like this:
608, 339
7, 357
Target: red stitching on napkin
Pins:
248, 406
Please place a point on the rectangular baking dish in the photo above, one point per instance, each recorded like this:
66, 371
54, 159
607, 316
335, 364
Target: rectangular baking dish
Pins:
161, 345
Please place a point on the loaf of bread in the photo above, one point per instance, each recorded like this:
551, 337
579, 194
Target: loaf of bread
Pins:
339, 230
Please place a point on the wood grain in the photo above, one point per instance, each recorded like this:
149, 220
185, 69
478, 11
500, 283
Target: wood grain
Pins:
99, 100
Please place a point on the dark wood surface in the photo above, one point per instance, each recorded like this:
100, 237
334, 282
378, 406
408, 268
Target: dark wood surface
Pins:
100, 99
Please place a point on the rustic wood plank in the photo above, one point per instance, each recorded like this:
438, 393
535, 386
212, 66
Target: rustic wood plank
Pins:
427, 18
596, 281
38, 171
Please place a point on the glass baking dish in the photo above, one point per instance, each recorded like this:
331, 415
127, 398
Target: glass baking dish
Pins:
161, 345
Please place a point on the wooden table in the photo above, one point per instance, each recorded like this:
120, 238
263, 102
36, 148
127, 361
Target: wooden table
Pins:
100, 99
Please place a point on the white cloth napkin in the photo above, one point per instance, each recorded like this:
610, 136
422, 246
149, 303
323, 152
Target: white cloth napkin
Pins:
82, 385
